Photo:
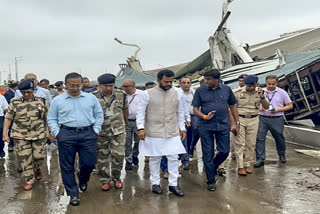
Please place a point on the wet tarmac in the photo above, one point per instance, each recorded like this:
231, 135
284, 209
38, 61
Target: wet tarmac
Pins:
275, 188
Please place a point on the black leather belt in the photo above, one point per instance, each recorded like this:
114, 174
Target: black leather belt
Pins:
271, 116
248, 116
132, 120
77, 129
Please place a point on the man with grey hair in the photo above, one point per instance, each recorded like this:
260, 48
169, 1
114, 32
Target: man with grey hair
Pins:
38, 91
131, 155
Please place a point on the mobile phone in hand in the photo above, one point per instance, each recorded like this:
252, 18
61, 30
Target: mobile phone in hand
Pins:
234, 132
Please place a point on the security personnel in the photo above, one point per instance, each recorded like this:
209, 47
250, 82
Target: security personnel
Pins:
248, 99
59, 87
29, 130
112, 138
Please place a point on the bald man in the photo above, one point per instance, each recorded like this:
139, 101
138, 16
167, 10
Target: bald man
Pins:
131, 155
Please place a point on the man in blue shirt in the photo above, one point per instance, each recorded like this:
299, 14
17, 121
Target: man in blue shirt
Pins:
211, 103
75, 119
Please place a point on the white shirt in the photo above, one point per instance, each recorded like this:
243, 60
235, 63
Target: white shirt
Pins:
3, 105
187, 117
189, 98
39, 92
133, 101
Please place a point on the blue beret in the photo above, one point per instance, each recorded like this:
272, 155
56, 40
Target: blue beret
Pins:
59, 83
26, 84
251, 79
242, 76
107, 78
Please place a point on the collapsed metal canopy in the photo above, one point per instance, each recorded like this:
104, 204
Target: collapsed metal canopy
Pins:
140, 78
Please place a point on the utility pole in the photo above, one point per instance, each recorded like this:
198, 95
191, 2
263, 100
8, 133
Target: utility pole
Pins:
16, 60
9, 75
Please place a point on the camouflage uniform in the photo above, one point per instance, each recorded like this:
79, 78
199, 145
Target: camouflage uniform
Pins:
111, 140
29, 132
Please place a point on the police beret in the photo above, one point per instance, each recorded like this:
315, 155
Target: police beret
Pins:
13, 84
26, 84
250, 79
242, 76
106, 78
59, 83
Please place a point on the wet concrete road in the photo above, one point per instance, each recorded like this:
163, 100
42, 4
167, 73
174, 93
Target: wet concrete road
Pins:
274, 188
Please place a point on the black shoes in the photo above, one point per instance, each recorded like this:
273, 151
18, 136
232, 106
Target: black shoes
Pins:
176, 190
74, 201
258, 164
211, 187
156, 189
135, 160
221, 171
10, 149
282, 159
20, 170
128, 166
186, 166
83, 187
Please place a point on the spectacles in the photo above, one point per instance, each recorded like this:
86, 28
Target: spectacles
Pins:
74, 86
126, 86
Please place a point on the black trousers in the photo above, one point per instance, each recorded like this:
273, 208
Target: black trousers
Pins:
70, 142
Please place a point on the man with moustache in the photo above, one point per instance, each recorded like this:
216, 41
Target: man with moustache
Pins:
160, 122
112, 138
248, 99
271, 119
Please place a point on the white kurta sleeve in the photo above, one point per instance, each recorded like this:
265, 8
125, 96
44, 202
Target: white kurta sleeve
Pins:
187, 116
181, 113
142, 107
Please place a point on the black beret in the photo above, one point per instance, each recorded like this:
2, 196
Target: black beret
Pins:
26, 84
107, 78
250, 79
14, 84
59, 83
242, 76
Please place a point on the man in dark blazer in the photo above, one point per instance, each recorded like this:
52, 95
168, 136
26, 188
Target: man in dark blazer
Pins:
9, 94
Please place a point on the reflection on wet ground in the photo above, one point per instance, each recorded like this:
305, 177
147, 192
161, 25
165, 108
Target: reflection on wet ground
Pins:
274, 188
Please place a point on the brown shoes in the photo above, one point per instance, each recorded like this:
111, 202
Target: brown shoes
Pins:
118, 184
38, 175
106, 187
28, 187
242, 172
248, 170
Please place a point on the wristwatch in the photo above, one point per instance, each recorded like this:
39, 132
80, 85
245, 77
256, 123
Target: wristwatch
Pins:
237, 122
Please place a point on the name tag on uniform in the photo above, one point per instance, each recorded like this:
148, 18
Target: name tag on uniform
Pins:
242, 96
109, 113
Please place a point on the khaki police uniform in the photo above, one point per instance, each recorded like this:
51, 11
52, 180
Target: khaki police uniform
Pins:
29, 132
248, 109
111, 140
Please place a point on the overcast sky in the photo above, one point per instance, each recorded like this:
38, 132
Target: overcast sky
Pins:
55, 37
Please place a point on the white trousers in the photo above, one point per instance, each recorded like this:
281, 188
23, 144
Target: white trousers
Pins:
173, 169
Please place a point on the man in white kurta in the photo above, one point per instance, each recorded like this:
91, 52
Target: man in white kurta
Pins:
160, 123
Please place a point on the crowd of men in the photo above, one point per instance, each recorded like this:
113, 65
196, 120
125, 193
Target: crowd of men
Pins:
107, 126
